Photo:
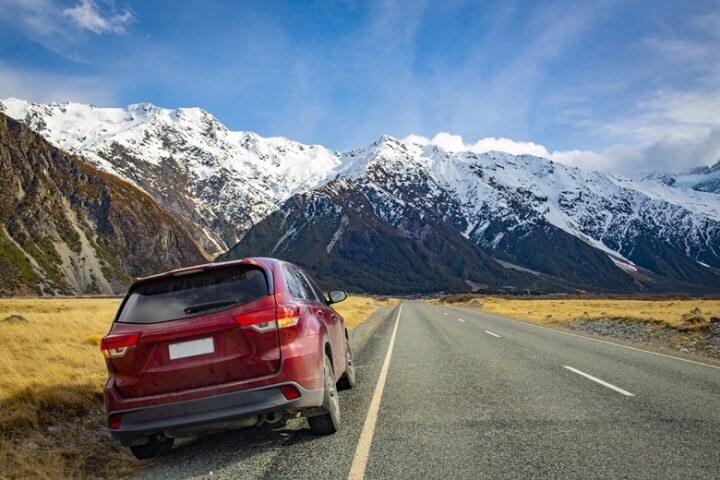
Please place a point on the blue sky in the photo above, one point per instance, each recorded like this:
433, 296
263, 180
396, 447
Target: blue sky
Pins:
615, 85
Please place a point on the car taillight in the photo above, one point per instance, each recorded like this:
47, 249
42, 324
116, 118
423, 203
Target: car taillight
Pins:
270, 319
260, 320
288, 316
117, 345
114, 421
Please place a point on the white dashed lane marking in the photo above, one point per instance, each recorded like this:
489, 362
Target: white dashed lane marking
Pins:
601, 382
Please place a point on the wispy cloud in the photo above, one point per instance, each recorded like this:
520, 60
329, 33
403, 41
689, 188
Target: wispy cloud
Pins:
677, 126
87, 16
63, 30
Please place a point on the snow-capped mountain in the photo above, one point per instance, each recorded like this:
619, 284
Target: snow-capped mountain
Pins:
514, 215
582, 229
702, 179
479, 189
218, 180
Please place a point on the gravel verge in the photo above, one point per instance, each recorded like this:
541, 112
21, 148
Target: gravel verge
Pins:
701, 341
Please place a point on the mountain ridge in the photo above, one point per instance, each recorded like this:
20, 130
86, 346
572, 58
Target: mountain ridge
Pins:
226, 184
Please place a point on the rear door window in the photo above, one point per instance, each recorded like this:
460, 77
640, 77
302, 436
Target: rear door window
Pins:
293, 283
317, 294
186, 296
307, 289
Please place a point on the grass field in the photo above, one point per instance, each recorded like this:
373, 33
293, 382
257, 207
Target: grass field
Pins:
52, 423
673, 313
355, 310
51, 375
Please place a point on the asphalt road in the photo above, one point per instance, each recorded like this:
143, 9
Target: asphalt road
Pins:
449, 393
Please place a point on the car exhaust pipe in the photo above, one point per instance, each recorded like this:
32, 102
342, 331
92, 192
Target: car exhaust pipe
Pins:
273, 417
270, 418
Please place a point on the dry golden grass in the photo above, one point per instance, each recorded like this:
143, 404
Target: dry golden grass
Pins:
357, 309
554, 311
51, 375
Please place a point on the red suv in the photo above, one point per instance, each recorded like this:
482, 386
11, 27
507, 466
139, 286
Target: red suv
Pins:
222, 346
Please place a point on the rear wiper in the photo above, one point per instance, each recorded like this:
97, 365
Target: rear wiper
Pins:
208, 306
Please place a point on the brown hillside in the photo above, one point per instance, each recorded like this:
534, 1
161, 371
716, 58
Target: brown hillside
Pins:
68, 228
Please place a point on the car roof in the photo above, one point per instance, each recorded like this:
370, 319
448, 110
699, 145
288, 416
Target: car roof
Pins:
262, 262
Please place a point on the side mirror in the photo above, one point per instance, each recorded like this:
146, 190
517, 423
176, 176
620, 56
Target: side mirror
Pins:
336, 296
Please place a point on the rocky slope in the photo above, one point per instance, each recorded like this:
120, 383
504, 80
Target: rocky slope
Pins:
67, 228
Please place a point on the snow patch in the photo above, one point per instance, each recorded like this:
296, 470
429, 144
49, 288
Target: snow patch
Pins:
282, 239
622, 265
512, 266
338, 233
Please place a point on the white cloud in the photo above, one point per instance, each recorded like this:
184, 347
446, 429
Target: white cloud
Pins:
584, 159
63, 31
671, 153
452, 143
455, 143
87, 16
689, 107
41, 23
419, 139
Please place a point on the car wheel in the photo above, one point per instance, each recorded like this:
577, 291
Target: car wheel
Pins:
329, 422
157, 445
348, 379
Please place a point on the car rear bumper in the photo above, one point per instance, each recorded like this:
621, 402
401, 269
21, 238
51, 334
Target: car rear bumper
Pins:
216, 413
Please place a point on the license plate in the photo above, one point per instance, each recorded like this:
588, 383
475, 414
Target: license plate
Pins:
192, 348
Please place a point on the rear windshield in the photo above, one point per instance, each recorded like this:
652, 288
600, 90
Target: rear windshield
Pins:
195, 294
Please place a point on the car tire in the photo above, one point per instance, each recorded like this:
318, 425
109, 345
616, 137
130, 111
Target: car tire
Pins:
329, 422
347, 381
157, 445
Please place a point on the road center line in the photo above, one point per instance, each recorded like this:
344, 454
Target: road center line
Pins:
445, 313
605, 384
460, 319
491, 333
357, 469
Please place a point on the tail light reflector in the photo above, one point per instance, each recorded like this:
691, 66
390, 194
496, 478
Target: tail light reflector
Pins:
290, 392
117, 345
114, 421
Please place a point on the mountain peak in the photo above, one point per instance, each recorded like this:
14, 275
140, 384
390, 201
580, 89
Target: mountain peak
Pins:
386, 139
145, 106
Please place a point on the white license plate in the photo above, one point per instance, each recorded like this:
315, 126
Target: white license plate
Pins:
192, 348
